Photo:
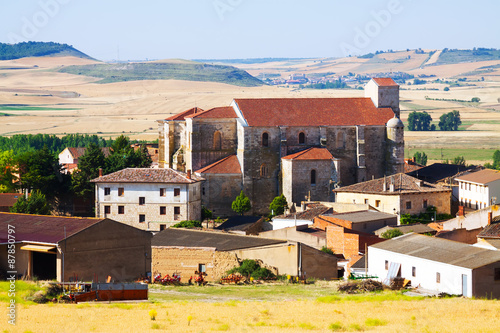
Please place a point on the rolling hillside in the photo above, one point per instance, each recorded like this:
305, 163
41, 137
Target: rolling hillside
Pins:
38, 49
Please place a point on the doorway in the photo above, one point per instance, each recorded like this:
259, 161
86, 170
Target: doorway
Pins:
44, 265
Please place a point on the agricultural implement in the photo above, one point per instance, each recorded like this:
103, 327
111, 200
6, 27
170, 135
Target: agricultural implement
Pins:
200, 278
231, 278
175, 279
92, 291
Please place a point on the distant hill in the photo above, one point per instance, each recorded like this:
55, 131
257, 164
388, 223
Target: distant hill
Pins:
454, 56
38, 49
190, 71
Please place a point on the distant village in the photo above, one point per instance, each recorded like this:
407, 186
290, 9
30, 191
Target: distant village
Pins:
349, 204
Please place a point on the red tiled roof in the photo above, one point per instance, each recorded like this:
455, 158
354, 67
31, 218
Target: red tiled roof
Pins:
41, 228
384, 81
182, 115
217, 112
146, 175
228, 164
9, 199
481, 177
313, 112
77, 152
411, 166
310, 154
402, 184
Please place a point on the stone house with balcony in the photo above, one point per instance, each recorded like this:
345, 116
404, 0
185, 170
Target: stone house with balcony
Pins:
398, 194
148, 199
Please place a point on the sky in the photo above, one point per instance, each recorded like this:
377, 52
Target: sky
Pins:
228, 29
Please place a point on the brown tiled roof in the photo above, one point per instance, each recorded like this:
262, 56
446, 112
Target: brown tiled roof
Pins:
308, 214
41, 228
228, 164
402, 184
146, 175
184, 114
481, 177
384, 81
218, 112
310, 154
77, 152
9, 199
492, 230
411, 166
313, 112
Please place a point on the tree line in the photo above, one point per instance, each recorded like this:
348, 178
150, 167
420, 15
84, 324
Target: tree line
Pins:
31, 49
421, 121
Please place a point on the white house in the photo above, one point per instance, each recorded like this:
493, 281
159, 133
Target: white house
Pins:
437, 264
479, 189
70, 157
150, 199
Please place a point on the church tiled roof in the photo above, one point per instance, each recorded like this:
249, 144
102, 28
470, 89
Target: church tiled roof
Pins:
384, 81
184, 114
227, 165
269, 112
218, 112
310, 154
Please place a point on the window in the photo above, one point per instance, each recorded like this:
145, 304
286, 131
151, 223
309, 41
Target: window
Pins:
408, 205
497, 274
121, 209
121, 191
414, 271
142, 201
377, 203
313, 177
142, 218
461, 186
366, 201
364, 225
265, 140
163, 227
203, 190
163, 191
425, 203
107, 210
263, 170
177, 192
217, 144
302, 138
340, 140
163, 210
107, 191
387, 265
438, 277
201, 268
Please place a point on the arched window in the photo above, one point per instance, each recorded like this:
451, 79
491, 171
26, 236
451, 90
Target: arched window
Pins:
313, 177
265, 140
302, 138
217, 141
340, 140
263, 170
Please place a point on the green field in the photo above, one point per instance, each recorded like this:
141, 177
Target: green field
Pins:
165, 71
438, 154
32, 108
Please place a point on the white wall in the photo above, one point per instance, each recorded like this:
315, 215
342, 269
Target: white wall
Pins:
479, 193
451, 276
286, 223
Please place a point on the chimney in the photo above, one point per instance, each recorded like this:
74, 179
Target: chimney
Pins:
419, 183
414, 159
189, 174
100, 172
490, 216
385, 185
461, 211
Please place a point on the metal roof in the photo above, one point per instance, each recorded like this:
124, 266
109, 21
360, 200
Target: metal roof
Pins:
481, 177
42, 228
440, 250
362, 216
209, 239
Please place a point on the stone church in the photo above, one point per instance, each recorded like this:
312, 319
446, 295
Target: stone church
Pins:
302, 147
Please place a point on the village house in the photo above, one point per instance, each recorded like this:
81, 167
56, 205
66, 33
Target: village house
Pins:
7, 201
70, 156
304, 217
364, 221
479, 189
148, 199
184, 251
363, 135
305, 234
436, 264
68, 248
398, 194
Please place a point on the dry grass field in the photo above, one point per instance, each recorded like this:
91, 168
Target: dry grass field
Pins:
76, 104
268, 308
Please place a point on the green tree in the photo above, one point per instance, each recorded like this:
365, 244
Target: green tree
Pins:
459, 160
419, 121
206, 213
496, 160
475, 100
391, 233
35, 204
8, 171
446, 89
420, 158
241, 204
278, 205
450, 121
124, 156
88, 168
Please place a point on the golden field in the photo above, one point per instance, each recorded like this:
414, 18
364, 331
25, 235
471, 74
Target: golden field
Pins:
427, 315
76, 104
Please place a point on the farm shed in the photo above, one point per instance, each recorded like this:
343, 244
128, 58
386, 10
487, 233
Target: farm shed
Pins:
52, 247
185, 251
438, 264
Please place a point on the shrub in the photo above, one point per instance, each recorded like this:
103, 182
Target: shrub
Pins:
206, 213
250, 268
391, 233
327, 250
188, 224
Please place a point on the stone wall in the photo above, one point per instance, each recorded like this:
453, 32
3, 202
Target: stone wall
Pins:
318, 264
219, 191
